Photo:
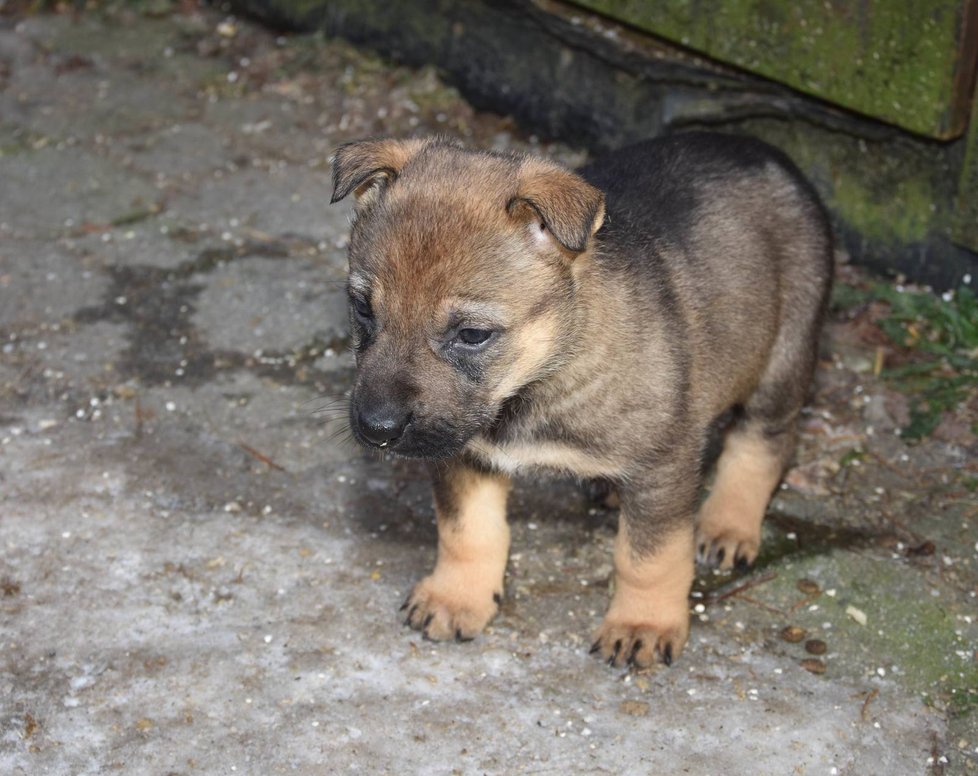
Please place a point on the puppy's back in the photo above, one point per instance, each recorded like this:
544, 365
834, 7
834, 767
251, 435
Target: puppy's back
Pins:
729, 230
657, 191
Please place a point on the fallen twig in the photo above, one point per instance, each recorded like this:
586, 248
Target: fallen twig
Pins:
806, 600
138, 415
260, 456
761, 604
869, 699
713, 598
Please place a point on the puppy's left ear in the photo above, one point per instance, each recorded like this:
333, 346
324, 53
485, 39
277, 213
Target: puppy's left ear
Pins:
368, 167
567, 205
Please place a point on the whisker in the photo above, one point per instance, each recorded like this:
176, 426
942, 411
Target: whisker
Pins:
333, 407
329, 401
342, 431
333, 412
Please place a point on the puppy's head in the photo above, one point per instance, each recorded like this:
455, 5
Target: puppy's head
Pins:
461, 284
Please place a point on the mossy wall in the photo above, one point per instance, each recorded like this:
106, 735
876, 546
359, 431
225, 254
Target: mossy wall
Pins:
896, 60
965, 217
899, 202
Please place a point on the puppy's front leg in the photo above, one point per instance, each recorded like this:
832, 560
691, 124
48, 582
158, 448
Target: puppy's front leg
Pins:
648, 618
459, 598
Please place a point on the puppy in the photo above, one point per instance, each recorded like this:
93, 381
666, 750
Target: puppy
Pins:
509, 314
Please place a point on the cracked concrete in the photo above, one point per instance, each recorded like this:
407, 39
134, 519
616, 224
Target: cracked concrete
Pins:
198, 572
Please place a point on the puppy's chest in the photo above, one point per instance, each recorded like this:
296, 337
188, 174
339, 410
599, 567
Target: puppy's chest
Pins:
516, 457
526, 452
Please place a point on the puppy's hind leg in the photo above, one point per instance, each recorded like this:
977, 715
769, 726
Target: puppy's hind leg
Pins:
728, 531
757, 450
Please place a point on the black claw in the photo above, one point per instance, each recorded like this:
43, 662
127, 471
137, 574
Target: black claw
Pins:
410, 615
703, 550
635, 648
721, 554
667, 655
595, 647
497, 598
614, 656
426, 623
404, 605
740, 563
460, 638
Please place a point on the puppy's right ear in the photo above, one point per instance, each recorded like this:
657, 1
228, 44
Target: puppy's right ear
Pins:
368, 167
569, 208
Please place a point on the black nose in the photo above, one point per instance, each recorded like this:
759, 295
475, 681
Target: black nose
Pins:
382, 425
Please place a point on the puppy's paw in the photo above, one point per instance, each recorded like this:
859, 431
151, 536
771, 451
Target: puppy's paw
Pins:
623, 643
726, 543
648, 618
443, 608
728, 530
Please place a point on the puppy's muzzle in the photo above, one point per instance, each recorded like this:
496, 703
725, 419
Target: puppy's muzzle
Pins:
382, 425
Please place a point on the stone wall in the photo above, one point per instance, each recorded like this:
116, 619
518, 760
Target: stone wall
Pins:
900, 202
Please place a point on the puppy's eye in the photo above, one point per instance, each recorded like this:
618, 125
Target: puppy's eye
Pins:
362, 308
474, 337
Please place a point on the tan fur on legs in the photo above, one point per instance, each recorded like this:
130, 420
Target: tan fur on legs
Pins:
729, 525
459, 598
649, 614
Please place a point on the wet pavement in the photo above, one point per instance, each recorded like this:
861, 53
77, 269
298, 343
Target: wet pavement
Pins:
200, 574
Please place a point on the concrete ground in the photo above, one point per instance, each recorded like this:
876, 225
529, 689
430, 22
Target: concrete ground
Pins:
199, 573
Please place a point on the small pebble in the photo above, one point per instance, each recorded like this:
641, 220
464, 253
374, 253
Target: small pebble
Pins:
808, 586
793, 634
634, 708
924, 550
813, 665
816, 647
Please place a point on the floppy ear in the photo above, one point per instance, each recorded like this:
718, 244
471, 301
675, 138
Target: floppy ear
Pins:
570, 207
369, 166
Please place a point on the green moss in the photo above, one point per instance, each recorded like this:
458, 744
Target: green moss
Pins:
893, 60
921, 641
903, 213
965, 226
920, 636
886, 192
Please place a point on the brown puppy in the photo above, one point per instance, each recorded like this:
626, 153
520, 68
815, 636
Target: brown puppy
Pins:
509, 314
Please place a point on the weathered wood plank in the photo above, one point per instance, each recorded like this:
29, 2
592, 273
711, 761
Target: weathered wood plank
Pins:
907, 62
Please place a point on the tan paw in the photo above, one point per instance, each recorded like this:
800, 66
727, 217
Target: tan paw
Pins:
727, 544
648, 618
442, 607
728, 531
641, 644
